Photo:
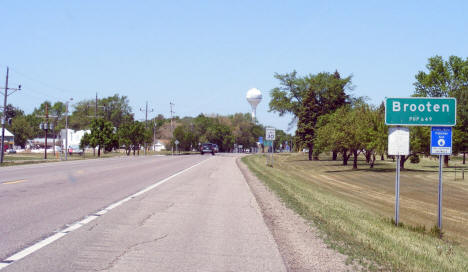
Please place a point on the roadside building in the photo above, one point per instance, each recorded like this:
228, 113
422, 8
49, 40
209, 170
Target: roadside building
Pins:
160, 145
74, 137
9, 141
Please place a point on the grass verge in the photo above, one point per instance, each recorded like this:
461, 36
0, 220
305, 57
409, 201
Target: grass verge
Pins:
350, 228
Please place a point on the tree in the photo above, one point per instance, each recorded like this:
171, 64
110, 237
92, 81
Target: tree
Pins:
336, 131
101, 134
186, 137
221, 135
116, 109
307, 121
289, 96
11, 112
132, 136
447, 79
352, 130
22, 130
324, 94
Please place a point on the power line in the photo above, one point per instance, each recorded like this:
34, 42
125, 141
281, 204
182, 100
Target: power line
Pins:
50, 86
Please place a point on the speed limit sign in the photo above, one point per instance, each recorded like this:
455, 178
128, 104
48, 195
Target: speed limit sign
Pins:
270, 134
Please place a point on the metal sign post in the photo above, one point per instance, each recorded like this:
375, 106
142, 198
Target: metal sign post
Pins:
270, 136
398, 144
397, 191
441, 144
423, 111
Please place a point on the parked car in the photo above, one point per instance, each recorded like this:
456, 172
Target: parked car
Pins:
74, 149
207, 148
11, 151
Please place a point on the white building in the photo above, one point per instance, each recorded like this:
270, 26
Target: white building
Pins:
74, 137
9, 139
158, 146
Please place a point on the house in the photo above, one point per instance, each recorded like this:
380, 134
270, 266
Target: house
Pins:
9, 140
159, 145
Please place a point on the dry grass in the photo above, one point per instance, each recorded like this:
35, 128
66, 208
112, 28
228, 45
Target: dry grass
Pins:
353, 209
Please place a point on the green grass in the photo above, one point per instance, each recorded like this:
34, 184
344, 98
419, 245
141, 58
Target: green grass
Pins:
350, 223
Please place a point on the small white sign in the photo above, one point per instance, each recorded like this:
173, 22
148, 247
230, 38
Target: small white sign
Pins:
398, 141
177, 142
270, 134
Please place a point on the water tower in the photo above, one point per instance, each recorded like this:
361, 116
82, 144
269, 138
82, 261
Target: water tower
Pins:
254, 96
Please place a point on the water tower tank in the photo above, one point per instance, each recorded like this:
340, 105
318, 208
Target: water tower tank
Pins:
254, 96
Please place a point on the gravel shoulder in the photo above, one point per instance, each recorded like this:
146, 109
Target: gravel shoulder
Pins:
299, 243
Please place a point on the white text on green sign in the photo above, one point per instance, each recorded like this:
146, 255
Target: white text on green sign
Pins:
420, 111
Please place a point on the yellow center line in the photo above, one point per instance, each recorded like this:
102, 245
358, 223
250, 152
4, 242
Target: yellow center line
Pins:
15, 181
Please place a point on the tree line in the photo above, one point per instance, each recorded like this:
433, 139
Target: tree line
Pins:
330, 119
112, 126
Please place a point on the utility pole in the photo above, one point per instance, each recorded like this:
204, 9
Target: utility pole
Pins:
95, 115
146, 120
172, 129
46, 126
4, 117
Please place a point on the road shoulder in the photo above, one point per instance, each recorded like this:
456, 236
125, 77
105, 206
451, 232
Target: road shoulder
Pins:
299, 244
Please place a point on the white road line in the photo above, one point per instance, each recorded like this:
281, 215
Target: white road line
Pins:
59, 234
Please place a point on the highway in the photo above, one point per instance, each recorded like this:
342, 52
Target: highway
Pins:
181, 213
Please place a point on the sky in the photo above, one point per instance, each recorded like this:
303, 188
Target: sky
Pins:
204, 55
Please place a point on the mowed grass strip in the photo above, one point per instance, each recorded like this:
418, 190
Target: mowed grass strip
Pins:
355, 227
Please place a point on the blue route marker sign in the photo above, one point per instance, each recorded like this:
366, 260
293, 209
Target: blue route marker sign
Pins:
441, 141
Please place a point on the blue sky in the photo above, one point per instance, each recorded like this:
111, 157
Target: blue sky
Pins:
205, 55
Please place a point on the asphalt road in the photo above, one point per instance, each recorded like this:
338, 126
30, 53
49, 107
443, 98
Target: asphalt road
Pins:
202, 219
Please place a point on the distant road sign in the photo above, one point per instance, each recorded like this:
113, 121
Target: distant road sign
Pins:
398, 141
270, 134
441, 141
421, 111
177, 142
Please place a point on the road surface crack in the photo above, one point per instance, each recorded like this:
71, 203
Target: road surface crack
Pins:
143, 221
128, 249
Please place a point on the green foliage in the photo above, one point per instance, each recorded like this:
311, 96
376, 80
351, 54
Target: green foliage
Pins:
221, 135
287, 98
308, 98
352, 130
133, 135
329, 88
101, 134
448, 79
186, 137
22, 130
415, 159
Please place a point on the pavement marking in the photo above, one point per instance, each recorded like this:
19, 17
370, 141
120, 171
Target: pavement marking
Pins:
87, 219
14, 181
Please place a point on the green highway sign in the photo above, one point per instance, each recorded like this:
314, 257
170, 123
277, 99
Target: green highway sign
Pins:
421, 111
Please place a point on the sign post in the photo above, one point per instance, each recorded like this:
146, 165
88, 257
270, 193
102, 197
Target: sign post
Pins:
437, 112
398, 144
441, 144
177, 145
270, 136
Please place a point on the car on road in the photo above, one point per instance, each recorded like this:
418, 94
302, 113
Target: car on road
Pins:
207, 148
215, 148
11, 151
74, 149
